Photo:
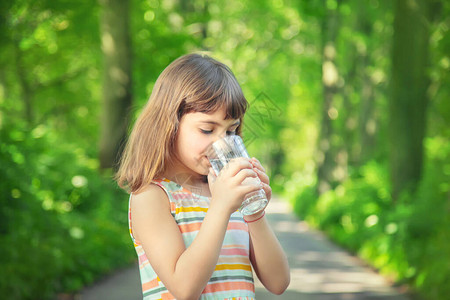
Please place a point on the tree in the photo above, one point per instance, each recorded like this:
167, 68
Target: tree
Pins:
408, 103
117, 95
330, 76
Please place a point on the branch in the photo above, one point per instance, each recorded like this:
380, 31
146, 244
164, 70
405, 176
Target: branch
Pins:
59, 80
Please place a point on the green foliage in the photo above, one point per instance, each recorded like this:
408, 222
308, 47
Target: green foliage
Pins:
61, 224
64, 224
407, 240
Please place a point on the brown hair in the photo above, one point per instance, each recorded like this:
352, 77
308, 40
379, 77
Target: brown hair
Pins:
191, 83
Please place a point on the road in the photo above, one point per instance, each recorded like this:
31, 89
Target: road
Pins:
320, 270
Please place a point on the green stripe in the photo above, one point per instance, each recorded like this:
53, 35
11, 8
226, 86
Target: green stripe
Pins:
236, 277
154, 291
187, 220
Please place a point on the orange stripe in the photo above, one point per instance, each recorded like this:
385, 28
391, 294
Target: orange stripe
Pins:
150, 284
190, 209
190, 227
233, 267
228, 286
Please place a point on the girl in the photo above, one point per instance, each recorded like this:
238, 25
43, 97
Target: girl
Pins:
190, 240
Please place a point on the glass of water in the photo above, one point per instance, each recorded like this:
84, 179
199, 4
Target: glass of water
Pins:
226, 149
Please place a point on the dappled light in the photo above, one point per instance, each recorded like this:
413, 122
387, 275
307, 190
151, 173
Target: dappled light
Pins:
348, 112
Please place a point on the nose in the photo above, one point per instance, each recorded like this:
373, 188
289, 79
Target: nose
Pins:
214, 138
219, 136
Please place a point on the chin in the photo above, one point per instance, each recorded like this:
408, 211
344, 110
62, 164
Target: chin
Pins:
204, 172
204, 166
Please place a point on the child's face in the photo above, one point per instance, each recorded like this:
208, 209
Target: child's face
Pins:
196, 132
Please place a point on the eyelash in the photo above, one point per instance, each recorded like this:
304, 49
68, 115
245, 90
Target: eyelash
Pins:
210, 131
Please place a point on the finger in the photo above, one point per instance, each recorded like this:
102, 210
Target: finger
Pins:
255, 162
235, 165
248, 188
268, 190
260, 170
244, 174
262, 176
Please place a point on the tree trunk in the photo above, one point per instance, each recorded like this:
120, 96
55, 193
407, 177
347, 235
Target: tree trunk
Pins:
201, 10
408, 104
349, 113
368, 122
326, 157
117, 96
25, 87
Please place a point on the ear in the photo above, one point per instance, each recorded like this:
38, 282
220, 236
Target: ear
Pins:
175, 129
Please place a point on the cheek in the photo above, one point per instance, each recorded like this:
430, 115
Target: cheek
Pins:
192, 146
193, 155
200, 147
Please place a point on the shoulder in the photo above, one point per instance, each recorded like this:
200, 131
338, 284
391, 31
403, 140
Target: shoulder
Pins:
155, 230
149, 197
149, 208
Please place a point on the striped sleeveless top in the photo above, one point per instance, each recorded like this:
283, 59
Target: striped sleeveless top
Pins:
232, 277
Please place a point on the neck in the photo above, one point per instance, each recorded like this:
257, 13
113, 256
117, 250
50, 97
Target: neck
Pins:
182, 176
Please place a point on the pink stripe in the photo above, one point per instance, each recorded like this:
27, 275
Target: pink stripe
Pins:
234, 251
237, 226
142, 258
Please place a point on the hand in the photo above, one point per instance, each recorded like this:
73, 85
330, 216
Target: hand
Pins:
227, 190
261, 172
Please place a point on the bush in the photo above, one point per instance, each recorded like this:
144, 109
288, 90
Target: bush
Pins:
61, 224
407, 240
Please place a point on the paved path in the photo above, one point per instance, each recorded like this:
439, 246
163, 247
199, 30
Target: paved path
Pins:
319, 269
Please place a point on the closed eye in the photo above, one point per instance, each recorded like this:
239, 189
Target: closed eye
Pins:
231, 131
206, 131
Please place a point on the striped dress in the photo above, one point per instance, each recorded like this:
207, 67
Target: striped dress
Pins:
232, 277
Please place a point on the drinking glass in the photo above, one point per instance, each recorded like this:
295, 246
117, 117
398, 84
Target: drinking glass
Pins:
226, 149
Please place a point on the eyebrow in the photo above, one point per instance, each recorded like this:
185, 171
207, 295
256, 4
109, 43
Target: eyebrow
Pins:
216, 123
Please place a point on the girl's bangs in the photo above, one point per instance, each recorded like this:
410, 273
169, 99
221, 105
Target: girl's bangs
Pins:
230, 98
221, 90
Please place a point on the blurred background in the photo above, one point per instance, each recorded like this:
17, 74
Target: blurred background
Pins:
349, 112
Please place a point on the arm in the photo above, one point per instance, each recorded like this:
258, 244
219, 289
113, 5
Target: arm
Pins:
186, 271
266, 254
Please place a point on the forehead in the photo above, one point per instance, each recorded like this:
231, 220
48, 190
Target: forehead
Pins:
218, 116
